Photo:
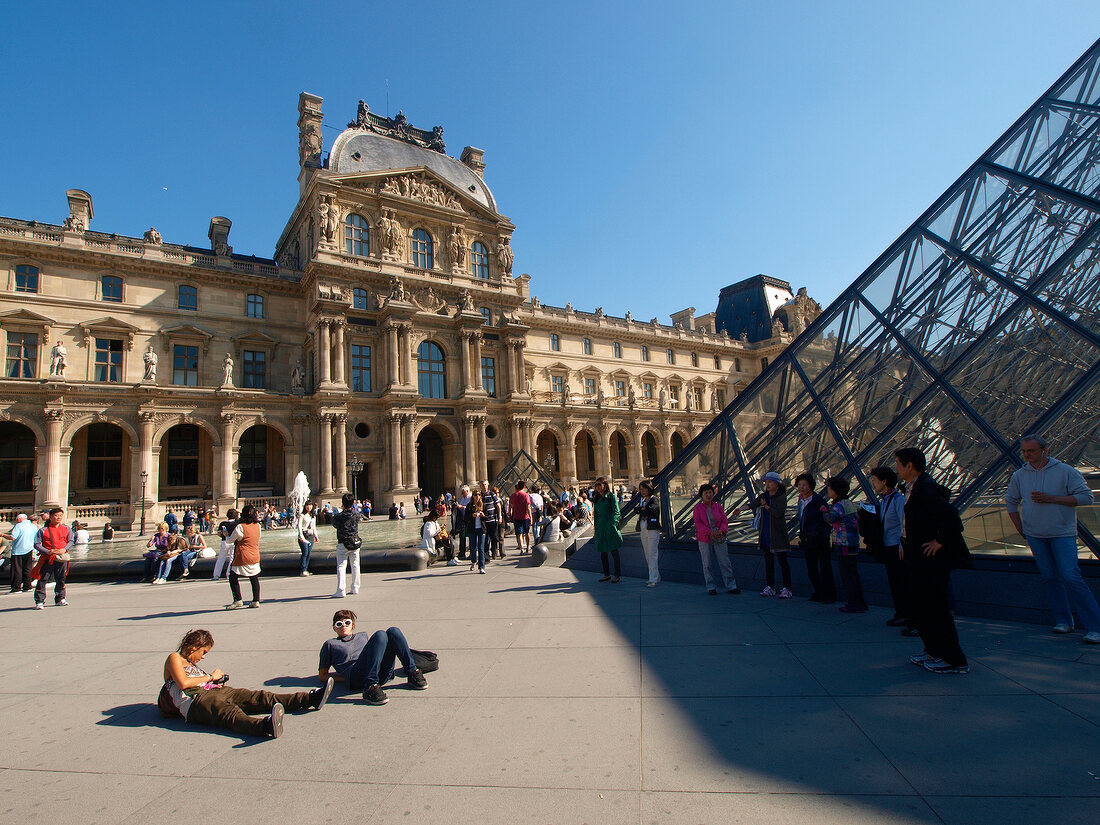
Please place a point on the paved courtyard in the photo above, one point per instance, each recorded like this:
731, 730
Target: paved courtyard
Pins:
559, 700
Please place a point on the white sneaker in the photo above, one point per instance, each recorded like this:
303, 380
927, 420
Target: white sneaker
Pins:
339, 594
1062, 627
62, 603
768, 591
305, 573
39, 606
784, 593
1092, 637
452, 562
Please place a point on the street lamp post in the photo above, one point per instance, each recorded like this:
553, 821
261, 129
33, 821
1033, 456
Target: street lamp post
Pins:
34, 490
237, 475
355, 467
144, 481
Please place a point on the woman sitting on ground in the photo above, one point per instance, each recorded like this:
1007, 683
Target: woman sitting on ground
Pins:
202, 698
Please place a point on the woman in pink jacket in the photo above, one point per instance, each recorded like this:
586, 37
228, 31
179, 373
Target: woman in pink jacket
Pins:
711, 527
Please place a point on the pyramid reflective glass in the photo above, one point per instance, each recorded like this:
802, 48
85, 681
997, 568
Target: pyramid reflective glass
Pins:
521, 467
980, 324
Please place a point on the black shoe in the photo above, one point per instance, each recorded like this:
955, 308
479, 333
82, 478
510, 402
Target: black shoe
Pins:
734, 591
911, 631
712, 592
374, 695
417, 680
318, 697
815, 598
605, 579
274, 722
896, 621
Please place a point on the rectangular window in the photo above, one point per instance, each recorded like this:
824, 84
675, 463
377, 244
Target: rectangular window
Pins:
359, 298
620, 392
698, 393
22, 355
671, 356
489, 375
617, 349
718, 362
255, 369
674, 395
26, 278
360, 368
254, 308
104, 460
589, 386
645, 353
555, 342
720, 398
188, 298
647, 390
587, 346
695, 359
487, 314
185, 365
108, 360
557, 383
111, 287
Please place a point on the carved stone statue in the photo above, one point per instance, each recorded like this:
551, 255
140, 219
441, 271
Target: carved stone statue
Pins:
323, 210
466, 301
391, 233
631, 398
662, 400
397, 289
75, 223
309, 142
629, 318
456, 246
298, 377
565, 392
744, 337
59, 359
599, 312
361, 119
568, 306
227, 378
331, 221
530, 383
689, 395
600, 397
150, 359
505, 257
777, 327
714, 401
152, 236
536, 303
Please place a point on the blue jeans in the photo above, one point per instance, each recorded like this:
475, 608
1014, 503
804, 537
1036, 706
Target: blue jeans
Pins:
477, 547
377, 659
165, 567
1056, 559
307, 548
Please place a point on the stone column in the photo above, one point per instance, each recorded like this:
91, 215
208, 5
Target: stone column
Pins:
340, 456
409, 451
324, 349
475, 357
395, 452
516, 427
529, 438
603, 453
664, 447
570, 458
468, 449
228, 496
326, 454
508, 372
391, 355
634, 456
52, 494
339, 375
145, 463
406, 355
482, 451
464, 361
521, 371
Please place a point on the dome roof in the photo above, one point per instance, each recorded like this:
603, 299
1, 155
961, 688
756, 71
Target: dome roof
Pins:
358, 150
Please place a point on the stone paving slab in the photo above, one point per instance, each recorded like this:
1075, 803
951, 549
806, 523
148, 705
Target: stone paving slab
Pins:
559, 700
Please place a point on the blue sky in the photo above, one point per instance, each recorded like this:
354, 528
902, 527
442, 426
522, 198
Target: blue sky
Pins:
648, 153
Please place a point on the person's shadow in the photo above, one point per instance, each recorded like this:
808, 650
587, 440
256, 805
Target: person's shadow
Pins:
146, 715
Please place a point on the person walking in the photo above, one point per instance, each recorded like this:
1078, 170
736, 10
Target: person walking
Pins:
490, 500
1042, 501
245, 540
711, 529
307, 536
605, 532
346, 523
843, 515
224, 529
649, 525
22, 543
519, 511
932, 546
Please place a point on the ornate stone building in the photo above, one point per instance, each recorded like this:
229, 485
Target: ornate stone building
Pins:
388, 346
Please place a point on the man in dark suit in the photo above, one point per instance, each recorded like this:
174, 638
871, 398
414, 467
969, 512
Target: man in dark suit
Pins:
933, 546
813, 538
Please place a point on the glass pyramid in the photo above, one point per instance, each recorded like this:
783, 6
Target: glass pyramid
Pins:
521, 467
981, 323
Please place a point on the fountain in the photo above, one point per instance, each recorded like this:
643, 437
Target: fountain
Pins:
299, 494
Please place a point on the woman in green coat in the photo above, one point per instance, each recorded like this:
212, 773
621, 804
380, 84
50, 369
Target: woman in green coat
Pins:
606, 531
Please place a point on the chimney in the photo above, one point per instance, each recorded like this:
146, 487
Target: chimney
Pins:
80, 210
475, 159
219, 235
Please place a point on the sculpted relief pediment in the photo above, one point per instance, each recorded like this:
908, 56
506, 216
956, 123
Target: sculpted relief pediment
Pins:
419, 186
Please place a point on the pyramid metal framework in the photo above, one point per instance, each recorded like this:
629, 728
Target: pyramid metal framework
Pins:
981, 323
521, 467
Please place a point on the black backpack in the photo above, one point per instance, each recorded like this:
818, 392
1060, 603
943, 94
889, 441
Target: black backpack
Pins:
870, 528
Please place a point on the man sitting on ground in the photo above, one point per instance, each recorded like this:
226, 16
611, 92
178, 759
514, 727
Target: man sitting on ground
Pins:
367, 662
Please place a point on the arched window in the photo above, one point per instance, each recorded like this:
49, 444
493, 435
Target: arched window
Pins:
422, 249
357, 235
479, 260
110, 288
431, 371
649, 451
359, 298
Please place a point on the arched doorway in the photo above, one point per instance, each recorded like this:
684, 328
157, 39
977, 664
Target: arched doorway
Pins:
677, 444
649, 453
547, 454
16, 464
260, 462
618, 456
585, 449
430, 463
97, 472
186, 463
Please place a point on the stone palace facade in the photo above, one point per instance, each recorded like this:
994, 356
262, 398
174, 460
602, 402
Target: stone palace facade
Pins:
387, 347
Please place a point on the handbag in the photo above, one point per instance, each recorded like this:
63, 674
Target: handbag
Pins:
63, 558
425, 660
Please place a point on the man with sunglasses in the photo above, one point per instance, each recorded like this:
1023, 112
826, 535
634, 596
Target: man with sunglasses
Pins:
367, 661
